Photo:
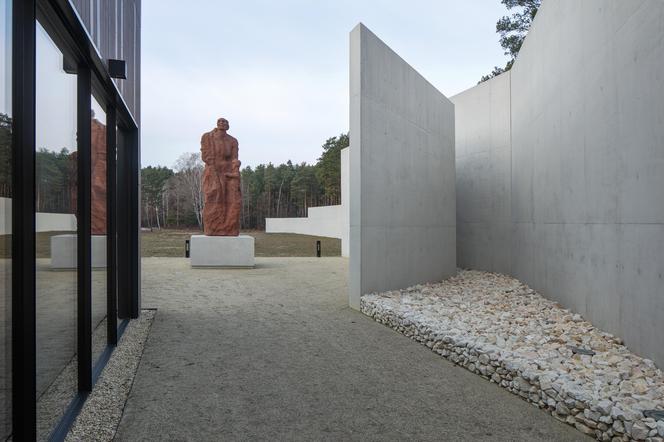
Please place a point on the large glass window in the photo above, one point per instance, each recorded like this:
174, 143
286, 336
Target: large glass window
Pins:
99, 229
56, 236
5, 217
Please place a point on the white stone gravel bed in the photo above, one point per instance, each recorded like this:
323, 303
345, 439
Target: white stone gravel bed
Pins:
501, 329
102, 411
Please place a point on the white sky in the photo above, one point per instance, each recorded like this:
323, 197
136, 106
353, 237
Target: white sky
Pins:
279, 70
55, 92
56, 98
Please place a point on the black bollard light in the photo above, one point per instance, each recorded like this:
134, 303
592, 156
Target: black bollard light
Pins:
318, 249
186, 248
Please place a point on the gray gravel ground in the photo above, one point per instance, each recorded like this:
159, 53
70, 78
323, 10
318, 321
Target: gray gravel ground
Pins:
102, 411
275, 353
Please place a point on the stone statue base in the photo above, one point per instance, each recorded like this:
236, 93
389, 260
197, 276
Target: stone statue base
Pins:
222, 251
64, 251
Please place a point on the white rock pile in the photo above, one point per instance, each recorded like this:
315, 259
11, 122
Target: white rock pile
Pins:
499, 328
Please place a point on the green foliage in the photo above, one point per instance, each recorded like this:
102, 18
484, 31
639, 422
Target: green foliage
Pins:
153, 180
328, 168
268, 190
153, 188
55, 180
513, 30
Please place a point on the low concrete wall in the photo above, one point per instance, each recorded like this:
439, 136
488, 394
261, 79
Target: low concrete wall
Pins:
5, 216
45, 222
321, 221
572, 204
402, 175
329, 221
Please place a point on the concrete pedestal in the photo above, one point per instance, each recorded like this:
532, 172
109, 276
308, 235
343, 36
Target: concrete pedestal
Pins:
222, 251
64, 251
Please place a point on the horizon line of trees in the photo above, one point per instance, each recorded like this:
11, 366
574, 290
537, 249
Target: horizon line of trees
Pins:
173, 198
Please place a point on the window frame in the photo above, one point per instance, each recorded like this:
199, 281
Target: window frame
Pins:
62, 23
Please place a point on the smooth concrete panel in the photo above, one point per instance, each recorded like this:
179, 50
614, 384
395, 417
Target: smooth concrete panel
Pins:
587, 128
222, 251
64, 251
44, 222
320, 221
588, 162
402, 174
345, 206
585, 145
483, 158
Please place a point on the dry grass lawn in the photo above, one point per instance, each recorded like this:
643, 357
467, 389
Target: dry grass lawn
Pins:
170, 243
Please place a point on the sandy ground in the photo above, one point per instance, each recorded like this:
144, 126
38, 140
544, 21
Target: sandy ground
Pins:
275, 353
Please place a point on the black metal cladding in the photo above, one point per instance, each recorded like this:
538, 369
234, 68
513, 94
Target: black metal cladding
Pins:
117, 69
135, 224
111, 244
24, 386
123, 260
84, 106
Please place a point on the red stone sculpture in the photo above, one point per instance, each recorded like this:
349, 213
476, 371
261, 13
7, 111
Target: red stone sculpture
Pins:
221, 182
98, 160
98, 178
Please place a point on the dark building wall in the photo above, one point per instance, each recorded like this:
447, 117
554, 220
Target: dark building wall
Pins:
115, 28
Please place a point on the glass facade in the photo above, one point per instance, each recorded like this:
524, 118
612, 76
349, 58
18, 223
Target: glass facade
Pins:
5, 217
58, 287
99, 229
56, 202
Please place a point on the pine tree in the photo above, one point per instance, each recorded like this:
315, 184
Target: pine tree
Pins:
513, 30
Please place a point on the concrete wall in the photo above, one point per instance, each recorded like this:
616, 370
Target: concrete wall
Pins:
345, 205
586, 169
330, 221
5, 216
402, 176
45, 222
320, 221
483, 158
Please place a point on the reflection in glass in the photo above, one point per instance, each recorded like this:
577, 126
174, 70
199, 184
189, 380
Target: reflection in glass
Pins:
5, 218
99, 229
119, 146
56, 237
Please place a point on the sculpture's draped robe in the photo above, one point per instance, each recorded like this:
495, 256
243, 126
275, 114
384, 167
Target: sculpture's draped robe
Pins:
221, 184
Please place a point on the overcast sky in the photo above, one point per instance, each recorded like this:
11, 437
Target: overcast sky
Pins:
278, 70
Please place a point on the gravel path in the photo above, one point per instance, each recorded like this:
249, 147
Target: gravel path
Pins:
275, 353
506, 332
99, 418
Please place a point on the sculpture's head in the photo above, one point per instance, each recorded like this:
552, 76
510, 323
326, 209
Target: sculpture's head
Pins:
222, 124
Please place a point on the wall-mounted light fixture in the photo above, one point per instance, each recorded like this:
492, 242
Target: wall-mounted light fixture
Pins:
117, 68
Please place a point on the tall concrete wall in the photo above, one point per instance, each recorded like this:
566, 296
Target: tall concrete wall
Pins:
586, 168
402, 175
345, 205
483, 158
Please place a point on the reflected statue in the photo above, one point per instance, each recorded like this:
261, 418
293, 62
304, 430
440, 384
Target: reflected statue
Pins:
98, 179
221, 182
98, 167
